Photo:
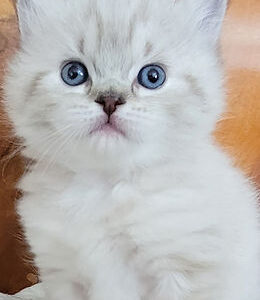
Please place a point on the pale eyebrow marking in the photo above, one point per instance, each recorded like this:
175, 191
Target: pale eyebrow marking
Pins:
148, 48
81, 46
194, 85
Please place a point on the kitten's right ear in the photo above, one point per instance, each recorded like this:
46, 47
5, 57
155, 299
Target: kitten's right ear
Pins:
28, 14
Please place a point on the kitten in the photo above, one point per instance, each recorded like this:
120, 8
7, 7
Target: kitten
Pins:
129, 197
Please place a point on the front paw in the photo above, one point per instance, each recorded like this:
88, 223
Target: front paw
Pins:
173, 286
114, 296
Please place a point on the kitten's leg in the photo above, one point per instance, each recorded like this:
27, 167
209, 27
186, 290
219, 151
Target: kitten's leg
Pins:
110, 277
170, 286
115, 283
116, 288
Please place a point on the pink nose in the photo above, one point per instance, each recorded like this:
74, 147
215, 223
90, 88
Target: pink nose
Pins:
110, 103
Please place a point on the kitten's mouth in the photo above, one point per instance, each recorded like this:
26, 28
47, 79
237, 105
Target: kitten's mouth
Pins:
108, 128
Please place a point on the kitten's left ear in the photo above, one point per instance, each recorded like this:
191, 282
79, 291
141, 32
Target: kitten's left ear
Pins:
211, 14
27, 12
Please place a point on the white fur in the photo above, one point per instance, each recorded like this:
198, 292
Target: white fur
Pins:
160, 214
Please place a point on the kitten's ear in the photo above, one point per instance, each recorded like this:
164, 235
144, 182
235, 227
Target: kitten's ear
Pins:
27, 13
211, 14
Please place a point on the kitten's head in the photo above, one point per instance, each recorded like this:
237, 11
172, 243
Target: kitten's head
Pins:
115, 80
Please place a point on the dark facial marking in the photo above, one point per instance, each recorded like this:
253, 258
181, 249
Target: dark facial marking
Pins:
194, 86
148, 49
81, 46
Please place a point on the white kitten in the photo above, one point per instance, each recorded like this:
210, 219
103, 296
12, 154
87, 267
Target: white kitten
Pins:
129, 198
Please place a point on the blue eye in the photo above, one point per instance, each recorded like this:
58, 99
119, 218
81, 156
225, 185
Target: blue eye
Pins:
74, 73
151, 77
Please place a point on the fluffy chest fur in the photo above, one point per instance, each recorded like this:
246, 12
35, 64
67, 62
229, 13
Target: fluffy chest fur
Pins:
97, 224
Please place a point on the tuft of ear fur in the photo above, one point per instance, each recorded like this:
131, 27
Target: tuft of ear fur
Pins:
211, 14
27, 12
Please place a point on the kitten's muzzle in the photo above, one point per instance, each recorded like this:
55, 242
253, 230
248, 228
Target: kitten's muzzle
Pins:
110, 103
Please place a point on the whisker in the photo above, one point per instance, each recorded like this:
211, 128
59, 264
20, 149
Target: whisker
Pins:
61, 146
51, 143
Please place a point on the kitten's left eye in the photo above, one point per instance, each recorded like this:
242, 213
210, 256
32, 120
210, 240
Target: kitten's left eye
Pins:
74, 73
151, 77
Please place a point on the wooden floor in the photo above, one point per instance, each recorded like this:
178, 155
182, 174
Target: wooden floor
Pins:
238, 133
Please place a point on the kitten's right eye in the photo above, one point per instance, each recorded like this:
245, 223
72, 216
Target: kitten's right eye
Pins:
151, 77
74, 73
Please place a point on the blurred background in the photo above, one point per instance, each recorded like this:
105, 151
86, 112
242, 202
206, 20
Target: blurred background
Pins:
238, 133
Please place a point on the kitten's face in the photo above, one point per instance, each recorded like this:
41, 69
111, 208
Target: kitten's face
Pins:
135, 77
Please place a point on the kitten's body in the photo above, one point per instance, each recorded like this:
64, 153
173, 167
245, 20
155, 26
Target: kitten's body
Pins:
157, 232
156, 214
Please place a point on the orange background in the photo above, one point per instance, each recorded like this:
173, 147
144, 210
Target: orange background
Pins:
238, 132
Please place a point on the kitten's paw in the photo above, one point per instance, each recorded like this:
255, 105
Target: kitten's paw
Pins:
170, 286
116, 296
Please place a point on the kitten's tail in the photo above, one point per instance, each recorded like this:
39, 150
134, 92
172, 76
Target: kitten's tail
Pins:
33, 293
